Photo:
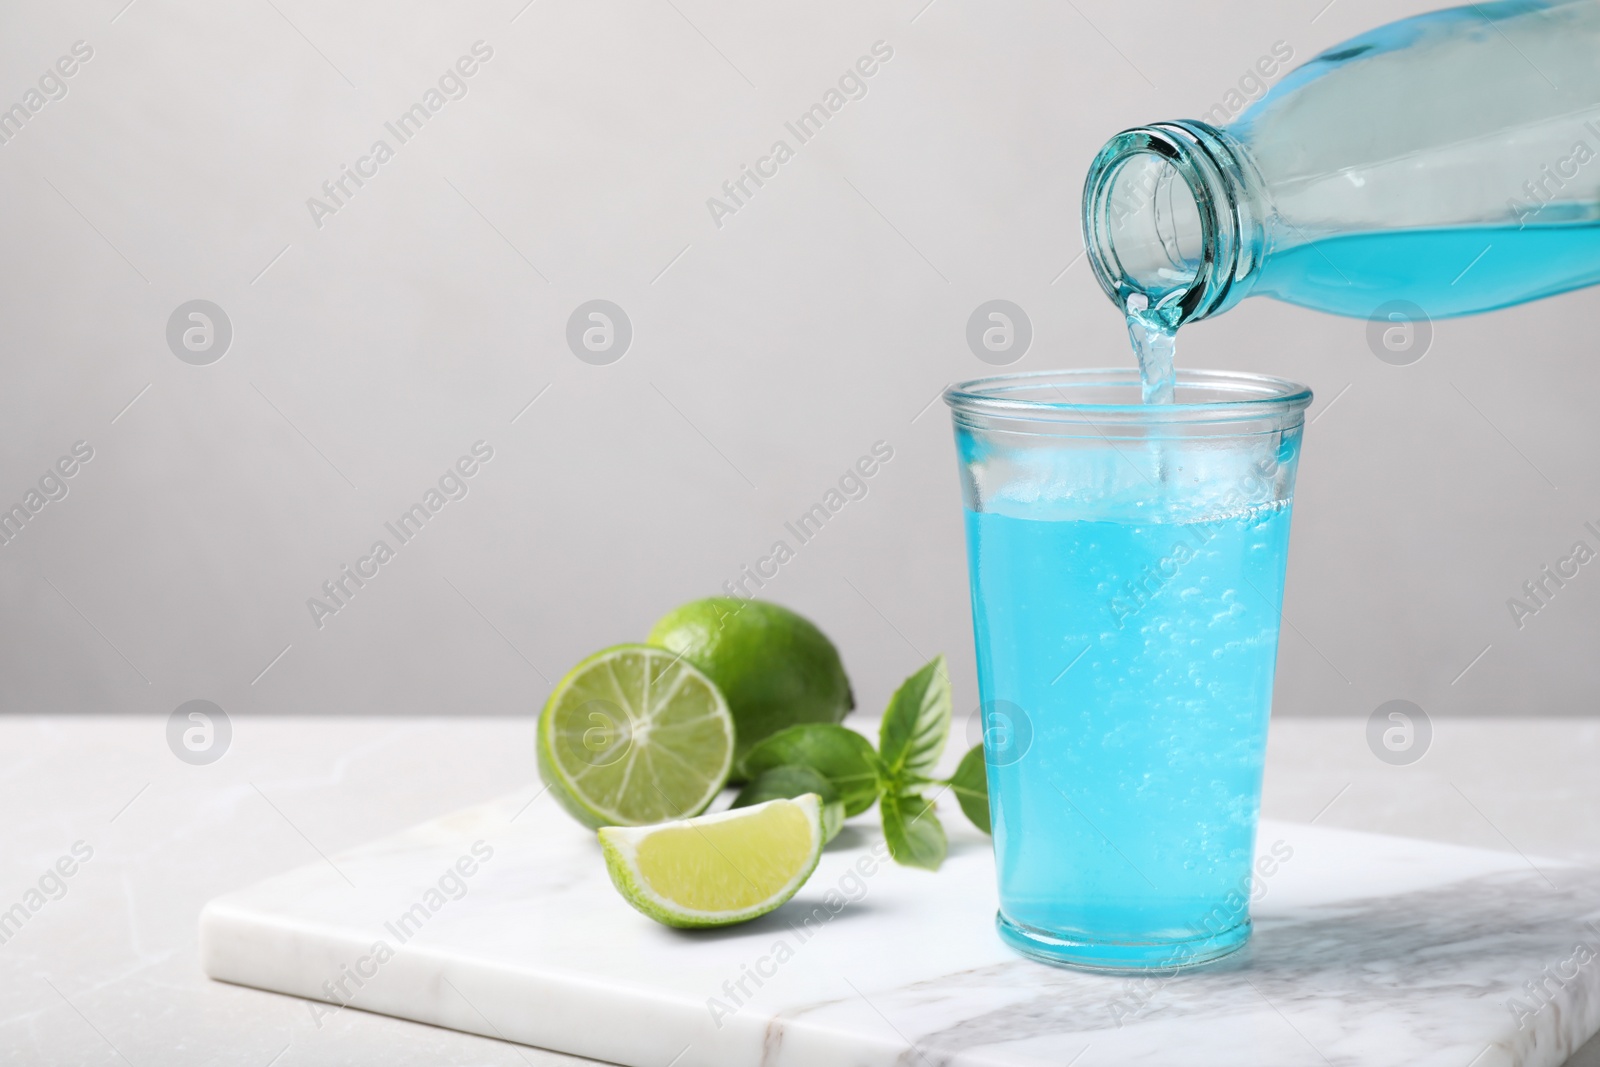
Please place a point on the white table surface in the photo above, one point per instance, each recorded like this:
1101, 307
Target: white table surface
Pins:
108, 973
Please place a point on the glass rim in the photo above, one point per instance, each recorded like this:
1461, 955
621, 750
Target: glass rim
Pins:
1254, 397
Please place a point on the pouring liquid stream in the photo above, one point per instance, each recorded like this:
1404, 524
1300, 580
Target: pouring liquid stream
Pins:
1155, 345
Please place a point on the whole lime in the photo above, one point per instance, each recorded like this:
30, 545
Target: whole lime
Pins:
775, 667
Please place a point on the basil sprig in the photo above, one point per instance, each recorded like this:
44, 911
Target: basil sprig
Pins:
895, 775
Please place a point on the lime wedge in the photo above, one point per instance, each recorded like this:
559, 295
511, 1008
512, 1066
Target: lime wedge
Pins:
717, 869
634, 735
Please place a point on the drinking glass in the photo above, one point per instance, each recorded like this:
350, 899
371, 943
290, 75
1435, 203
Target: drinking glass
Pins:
1127, 565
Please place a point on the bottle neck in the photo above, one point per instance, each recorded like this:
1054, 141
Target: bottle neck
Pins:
1172, 213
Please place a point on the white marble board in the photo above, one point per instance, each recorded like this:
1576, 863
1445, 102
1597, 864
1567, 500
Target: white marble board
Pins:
1368, 950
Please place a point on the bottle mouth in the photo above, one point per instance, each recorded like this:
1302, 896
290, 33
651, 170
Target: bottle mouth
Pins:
1168, 221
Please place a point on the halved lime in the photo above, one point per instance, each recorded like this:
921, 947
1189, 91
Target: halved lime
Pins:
634, 735
717, 869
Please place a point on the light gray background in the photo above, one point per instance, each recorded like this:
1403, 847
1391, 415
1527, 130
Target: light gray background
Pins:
768, 354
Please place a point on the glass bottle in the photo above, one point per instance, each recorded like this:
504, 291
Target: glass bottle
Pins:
1451, 160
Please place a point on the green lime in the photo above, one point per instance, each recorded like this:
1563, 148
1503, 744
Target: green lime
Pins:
775, 667
717, 869
634, 735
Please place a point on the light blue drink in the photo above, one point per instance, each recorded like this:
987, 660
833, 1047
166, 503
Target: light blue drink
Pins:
1445, 272
1144, 768
1127, 567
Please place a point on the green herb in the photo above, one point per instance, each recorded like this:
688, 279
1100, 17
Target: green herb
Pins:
786, 783
970, 784
916, 726
840, 755
914, 833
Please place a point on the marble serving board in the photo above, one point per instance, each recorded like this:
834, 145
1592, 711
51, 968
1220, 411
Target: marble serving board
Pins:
500, 920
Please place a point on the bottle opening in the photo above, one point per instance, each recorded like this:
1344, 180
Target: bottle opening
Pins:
1157, 240
1171, 222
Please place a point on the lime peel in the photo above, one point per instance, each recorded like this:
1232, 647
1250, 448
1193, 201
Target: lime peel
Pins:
775, 667
716, 870
634, 735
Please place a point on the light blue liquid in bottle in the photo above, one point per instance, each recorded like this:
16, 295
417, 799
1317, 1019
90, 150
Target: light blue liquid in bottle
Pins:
1450, 271
1451, 161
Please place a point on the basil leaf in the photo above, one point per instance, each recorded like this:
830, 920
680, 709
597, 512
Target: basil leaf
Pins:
795, 781
970, 784
912, 830
916, 724
840, 755
785, 783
